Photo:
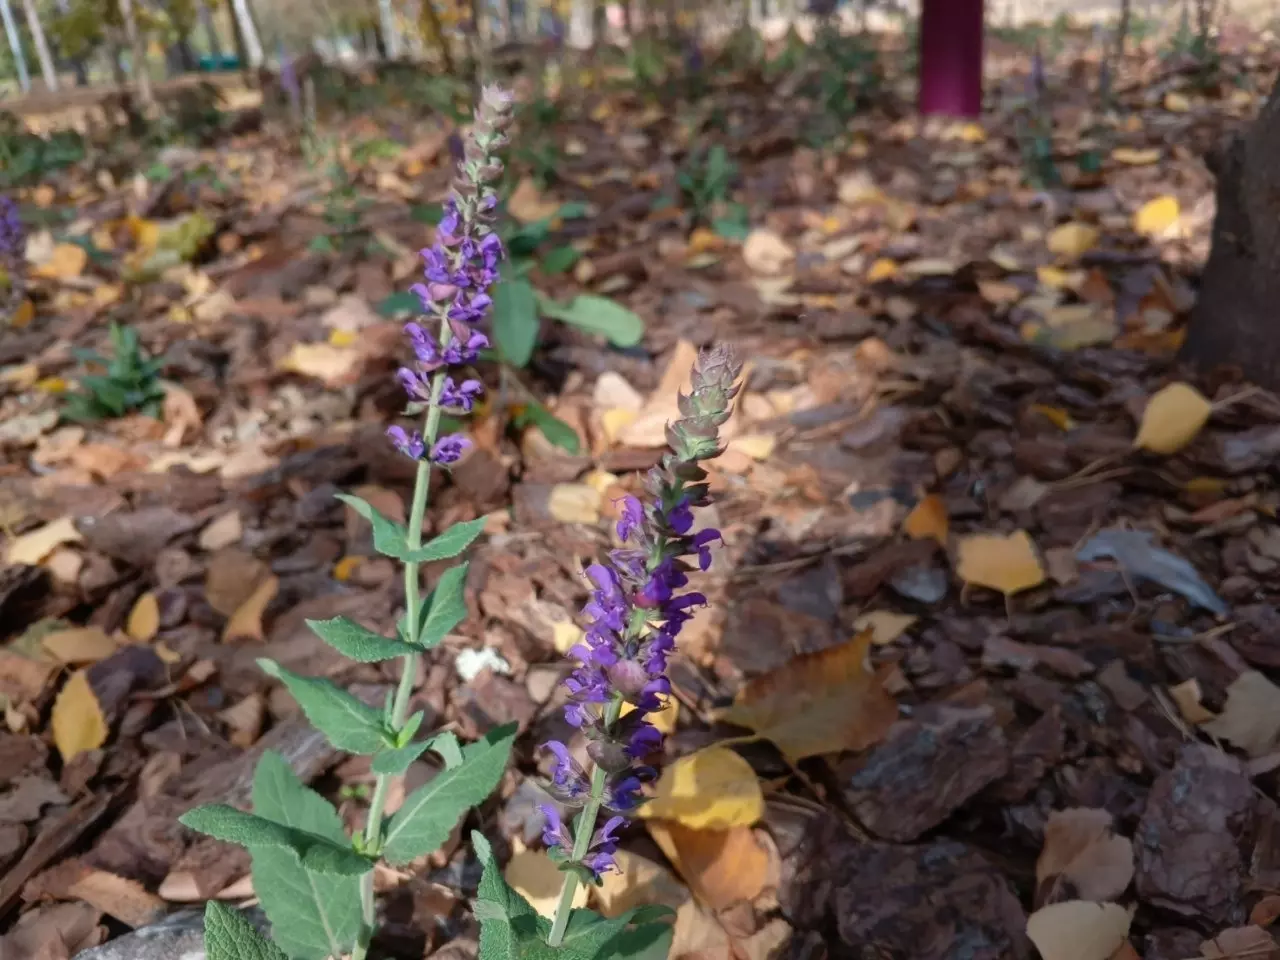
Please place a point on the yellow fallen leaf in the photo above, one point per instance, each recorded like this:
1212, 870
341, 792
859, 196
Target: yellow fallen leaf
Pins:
333, 365
66, 262
1055, 278
1135, 158
1173, 417
79, 645
144, 619
664, 718
928, 519
703, 240
1079, 930
999, 293
934, 267
1188, 698
246, 622
1250, 719
344, 568
615, 421
23, 315
713, 787
54, 385
722, 867
31, 548
757, 446
1176, 102
885, 625
77, 721
44, 195
638, 882
536, 877
882, 269
818, 703
1055, 415
971, 133
574, 503
766, 252
1071, 240
343, 338
1156, 216
564, 635
1008, 564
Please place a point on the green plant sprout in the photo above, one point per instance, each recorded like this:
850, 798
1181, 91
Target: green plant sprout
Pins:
130, 382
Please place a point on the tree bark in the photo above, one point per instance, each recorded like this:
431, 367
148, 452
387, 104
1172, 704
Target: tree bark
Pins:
951, 57
137, 53
210, 29
248, 33
42, 47
1235, 320
15, 46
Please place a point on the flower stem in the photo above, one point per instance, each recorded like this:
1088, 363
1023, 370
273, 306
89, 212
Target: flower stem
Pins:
409, 666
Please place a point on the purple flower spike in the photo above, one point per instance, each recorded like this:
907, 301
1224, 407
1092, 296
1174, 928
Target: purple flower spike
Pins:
632, 517
449, 449
410, 444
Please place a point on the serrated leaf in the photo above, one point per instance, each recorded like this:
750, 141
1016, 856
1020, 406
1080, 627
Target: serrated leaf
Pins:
229, 936
427, 815
389, 537
449, 544
445, 608
349, 723
394, 762
223, 822
313, 915
515, 320
507, 921
595, 314
359, 643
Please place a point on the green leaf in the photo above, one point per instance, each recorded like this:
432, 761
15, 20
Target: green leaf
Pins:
389, 537
573, 210
401, 302
427, 815
552, 427
515, 321
612, 320
396, 761
222, 822
229, 936
313, 915
359, 643
349, 723
559, 260
445, 608
449, 544
506, 919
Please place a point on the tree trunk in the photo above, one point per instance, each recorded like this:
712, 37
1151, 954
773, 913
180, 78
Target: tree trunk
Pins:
15, 45
248, 35
951, 57
210, 29
389, 29
1235, 321
42, 47
137, 53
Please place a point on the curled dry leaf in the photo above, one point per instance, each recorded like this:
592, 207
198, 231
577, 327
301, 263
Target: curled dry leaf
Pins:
818, 703
1082, 858
77, 721
712, 788
246, 622
1250, 719
1172, 419
1079, 930
722, 867
1008, 564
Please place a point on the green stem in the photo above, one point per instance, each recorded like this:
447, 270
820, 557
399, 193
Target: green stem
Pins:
409, 668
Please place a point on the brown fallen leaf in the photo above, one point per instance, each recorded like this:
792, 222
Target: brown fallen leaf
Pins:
722, 867
1252, 942
1250, 719
637, 882
224, 531
1008, 564
818, 703
77, 721
80, 645
928, 519
537, 878
32, 547
1079, 930
126, 900
23, 678
1082, 858
53, 932
231, 579
246, 622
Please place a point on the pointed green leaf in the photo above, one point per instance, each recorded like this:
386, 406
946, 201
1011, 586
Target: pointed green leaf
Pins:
559, 260
313, 915
349, 723
229, 936
389, 537
427, 815
359, 643
223, 822
449, 544
610, 319
445, 608
515, 320
393, 762
507, 921
552, 427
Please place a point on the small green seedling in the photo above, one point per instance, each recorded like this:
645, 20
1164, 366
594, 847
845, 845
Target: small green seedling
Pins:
130, 384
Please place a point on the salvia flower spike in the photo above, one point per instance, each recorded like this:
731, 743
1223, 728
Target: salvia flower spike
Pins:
13, 245
639, 604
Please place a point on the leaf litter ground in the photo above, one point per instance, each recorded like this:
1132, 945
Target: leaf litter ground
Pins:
993, 634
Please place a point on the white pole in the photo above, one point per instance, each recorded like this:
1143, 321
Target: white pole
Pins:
252, 45
15, 44
42, 48
390, 31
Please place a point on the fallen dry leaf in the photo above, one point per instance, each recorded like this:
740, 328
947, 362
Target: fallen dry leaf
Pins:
1079, 930
77, 721
144, 618
536, 877
818, 703
79, 645
1156, 216
246, 622
1239, 943
712, 788
334, 366
1071, 241
885, 625
1172, 418
32, 547
574, 503
65, 262
1250, 718
527, 205
231, 579
928, 519
722, 867
766, 252
1007, 564
224, 531
1136, 158
638, 882
1187, 697
1082, 858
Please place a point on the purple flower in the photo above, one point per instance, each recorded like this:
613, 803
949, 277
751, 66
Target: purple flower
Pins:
632, 517
568, 779
462, 396
553, 832
410, 444
449, 449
